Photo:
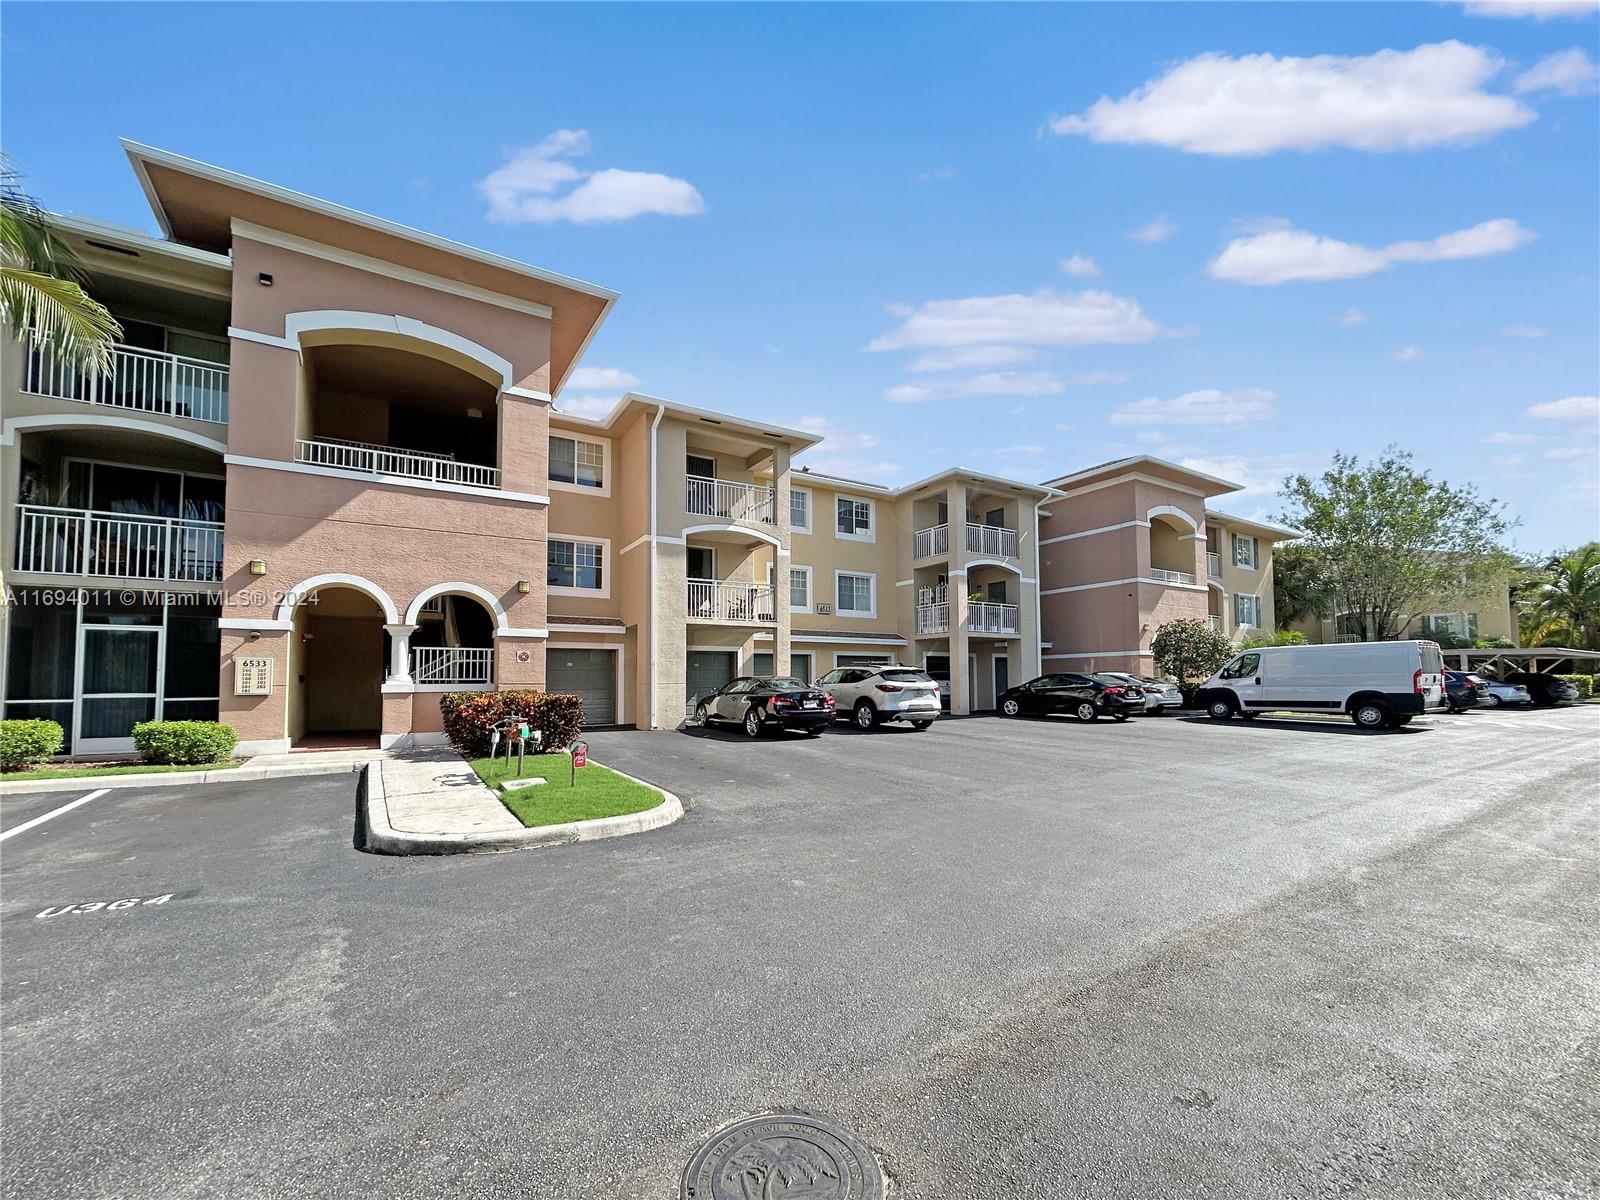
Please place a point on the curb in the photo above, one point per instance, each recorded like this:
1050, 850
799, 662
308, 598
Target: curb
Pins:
380, 837
173, 779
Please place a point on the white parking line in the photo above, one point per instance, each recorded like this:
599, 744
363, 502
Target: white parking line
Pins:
52, 814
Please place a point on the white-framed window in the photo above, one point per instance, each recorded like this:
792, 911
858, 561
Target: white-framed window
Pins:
799, 589
577, 566
1247, 610
799, 510
1461, 625
1244, 551
853, 519
578, 464
855, 594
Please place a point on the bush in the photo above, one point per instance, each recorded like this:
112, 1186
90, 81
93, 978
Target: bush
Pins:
180, 743
1284, 637
469, 717
1187, 650
1584, 684
24, 743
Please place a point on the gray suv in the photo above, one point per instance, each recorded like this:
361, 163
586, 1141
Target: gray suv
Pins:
871, 695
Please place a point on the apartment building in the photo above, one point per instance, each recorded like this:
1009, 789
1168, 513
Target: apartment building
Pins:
1489, 615
1132, 544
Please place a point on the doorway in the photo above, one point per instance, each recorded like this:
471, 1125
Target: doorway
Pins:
343, 650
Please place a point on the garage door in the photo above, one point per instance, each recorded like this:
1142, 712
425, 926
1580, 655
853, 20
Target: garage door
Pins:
707, 670
590, 675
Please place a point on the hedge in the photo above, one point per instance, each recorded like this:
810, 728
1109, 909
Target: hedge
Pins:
469, 718
184, 742
1584, 684
24, 743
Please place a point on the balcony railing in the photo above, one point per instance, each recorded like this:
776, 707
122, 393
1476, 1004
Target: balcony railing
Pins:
933, 617
728, 499
369, 459
452, 664
77, 541
1215, 622
984, 617
991, 541
925, 543
1213, 565
141, 380
1171, 576
725, 600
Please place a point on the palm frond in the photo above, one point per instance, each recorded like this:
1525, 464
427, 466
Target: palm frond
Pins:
59, 311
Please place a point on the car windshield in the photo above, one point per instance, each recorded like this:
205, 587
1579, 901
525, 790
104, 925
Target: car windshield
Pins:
907, 676
786, 683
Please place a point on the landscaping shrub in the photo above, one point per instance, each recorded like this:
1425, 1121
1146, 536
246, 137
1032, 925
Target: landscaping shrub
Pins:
1584, 684
24, 743
469, 717
180, 743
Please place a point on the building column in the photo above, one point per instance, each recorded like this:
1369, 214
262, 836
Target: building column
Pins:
780, 560
399, 652
956, 593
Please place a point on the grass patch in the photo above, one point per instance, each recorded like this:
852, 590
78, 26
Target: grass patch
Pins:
599, 792
87, 772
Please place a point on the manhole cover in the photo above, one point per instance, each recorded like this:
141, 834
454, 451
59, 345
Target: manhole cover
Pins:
782, 1156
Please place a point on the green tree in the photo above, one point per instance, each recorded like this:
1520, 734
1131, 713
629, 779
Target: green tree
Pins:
1560, 606
1188, 650
1299, 590
1284, 637
1385, 537
41, 288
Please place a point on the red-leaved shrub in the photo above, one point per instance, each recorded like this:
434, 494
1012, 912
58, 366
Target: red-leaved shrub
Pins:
470, 716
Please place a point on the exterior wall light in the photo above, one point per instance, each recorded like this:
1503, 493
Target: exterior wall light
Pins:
264, 279
258, 566
524, 587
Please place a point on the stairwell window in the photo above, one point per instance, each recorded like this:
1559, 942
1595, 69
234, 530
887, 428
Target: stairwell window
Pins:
799, 510
853, 519
855, 594
577, 567
1244, 551
799, 589
578, 462
1247, 611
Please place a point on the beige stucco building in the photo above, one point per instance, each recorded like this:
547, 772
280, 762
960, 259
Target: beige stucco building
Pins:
1489, 616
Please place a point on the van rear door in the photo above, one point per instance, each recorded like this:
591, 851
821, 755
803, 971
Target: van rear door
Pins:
1430, 676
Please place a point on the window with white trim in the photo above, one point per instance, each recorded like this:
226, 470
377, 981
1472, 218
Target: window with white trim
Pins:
853, 518
799, 510
577, 461
799, 589
1247, 610
578, 565
855, 594
1244, 551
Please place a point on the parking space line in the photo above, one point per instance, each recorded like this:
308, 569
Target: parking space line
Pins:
52, 814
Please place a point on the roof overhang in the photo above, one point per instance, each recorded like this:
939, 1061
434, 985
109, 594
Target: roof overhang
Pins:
635, 402
1147, 464
1278, 533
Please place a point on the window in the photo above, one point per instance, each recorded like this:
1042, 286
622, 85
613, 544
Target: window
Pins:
854, 594
870, 663
1244, 551
700, 466
577, 565
799, 589
853, 518
1244, 666
578, 462
701, 562
1247, 611
799, 510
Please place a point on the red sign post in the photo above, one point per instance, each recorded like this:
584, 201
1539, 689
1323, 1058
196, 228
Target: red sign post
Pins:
580, 758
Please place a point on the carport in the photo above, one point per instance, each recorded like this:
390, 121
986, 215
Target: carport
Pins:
1544, 659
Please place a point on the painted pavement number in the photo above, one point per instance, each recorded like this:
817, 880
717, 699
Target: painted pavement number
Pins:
93, 906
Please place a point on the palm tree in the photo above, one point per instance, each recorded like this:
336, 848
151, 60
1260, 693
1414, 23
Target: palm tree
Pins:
41, 289
1564, 603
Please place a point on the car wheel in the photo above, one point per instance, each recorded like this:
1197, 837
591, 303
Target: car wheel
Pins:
1219, 710
1085, 711
1491, 701
866, 715
1010, 708
919, 726
752, 723
1119, 716
702, 714
1370, 715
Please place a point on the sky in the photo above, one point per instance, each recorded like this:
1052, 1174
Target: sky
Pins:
1017, 239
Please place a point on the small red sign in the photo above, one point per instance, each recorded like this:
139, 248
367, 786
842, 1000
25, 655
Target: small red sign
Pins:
580, 757
524, 656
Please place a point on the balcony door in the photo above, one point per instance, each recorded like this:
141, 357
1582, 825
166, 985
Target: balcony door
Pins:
119, 668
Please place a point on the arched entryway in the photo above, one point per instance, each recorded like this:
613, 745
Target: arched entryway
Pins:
340, 654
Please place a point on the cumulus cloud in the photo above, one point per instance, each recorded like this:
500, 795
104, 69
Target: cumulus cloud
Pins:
1567, 72
1045, 318
989, 383
591, 407
1158, 230
585, 379
1407, 354
1283, 254
1080, 266
539, 184
1539, 10
970, 356
1352, 316
1573, 408
1256, 476
1260, 103
1208, 406
834, 439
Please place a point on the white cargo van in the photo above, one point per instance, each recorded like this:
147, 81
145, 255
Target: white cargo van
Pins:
1379, 685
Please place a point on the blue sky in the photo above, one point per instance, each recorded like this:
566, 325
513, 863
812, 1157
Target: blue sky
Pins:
863, 219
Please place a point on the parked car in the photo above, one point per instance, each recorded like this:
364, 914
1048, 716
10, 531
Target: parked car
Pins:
1497, 694
1546, 690
1159, 694
870, 696
1086, 697
771, 702
1379, 685
1463, 690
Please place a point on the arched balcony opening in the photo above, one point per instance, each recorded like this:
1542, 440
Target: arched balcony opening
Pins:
1171, 550
453, 643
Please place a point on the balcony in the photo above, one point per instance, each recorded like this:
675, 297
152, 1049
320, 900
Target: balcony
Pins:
146, 381
933, 617
455, 665
1215, 622
1213, 565
1164, 576
991, 541
985, 617
76, 541
728, 601
926, 543
388, 461
728, 499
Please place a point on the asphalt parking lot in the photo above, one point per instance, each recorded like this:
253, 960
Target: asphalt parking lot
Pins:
1018, 959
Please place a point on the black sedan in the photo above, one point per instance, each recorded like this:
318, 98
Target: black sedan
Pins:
1086, 697
1463, 690
772, 702
1546, 690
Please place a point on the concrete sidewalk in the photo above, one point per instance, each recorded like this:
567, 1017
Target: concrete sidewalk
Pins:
263, 766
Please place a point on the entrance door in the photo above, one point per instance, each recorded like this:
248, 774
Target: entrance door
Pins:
590, 675
1002, 677
707, 670
118, 680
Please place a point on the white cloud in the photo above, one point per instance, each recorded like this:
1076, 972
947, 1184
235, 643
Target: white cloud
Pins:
1571, 453
1046, 318
1507, 439
1573, 408
970, 356
1093, 378
1285, 254
1258, 103
834, 439
1352, 316
1407, 354
1158, 230
537, 184
867, 470
1539, 10
937, 175
1255, 476
1525, 331
591, 407
1567, 72
1208, 406
1025, 451
586, 379
989, 383
1080, 266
